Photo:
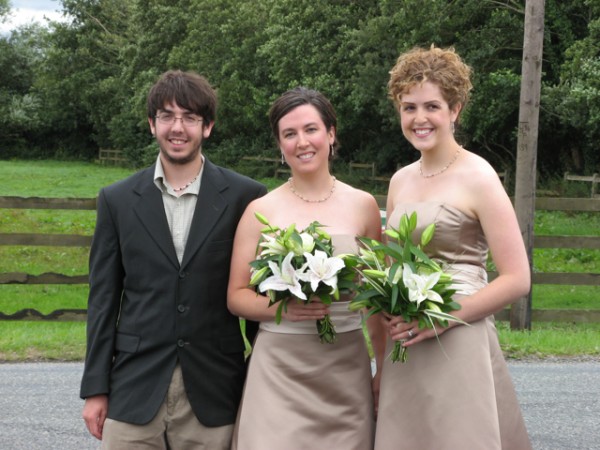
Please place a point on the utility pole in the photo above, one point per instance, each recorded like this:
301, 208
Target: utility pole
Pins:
529, 107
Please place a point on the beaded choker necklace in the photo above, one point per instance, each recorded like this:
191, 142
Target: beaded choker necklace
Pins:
179, 189
321, 200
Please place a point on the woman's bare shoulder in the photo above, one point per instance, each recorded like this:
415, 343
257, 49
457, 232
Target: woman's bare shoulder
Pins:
480, 172
404, 173
355, 195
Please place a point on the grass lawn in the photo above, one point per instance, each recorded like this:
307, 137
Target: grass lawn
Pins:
36, 340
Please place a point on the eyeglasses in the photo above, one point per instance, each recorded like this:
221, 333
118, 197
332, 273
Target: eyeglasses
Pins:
186, 120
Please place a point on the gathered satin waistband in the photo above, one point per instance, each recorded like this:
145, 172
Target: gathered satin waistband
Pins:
467, 278
343, 320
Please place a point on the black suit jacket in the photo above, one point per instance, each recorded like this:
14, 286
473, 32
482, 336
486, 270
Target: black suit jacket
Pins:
146, 312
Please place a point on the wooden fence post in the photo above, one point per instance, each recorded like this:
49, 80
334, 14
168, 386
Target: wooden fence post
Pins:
520, 314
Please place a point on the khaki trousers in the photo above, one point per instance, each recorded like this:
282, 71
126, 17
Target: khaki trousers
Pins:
175, 427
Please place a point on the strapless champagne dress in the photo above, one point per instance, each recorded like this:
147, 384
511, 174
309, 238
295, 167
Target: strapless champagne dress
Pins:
457, 395
301, 394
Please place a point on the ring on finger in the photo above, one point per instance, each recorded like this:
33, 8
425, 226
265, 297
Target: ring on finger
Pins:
411, 333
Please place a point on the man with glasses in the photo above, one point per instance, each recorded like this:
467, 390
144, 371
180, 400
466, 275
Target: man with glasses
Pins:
165, 359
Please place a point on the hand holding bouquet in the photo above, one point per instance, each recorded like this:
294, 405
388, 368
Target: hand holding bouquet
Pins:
293, 264
400, 279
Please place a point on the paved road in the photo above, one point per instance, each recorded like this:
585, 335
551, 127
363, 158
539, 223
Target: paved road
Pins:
40, 408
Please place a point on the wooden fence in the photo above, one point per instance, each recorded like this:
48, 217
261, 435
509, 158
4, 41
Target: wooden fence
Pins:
594, 180
109, 156
35, 239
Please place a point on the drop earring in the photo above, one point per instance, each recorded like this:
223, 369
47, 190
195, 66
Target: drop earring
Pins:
452, 127
331, 150
282, 160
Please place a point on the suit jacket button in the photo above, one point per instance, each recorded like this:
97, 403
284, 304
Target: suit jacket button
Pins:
180, 308
182, 274
180, 343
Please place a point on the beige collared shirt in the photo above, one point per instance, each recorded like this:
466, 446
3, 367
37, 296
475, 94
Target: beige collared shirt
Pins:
179, 209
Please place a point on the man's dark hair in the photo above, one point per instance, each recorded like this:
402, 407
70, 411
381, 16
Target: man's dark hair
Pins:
188, 90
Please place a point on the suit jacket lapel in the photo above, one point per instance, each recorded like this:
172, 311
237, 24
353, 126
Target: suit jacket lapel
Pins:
209, 208
151, 212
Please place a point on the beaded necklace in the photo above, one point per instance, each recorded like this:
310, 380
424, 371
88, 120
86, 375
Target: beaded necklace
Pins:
179, 189
321, 200
429, 175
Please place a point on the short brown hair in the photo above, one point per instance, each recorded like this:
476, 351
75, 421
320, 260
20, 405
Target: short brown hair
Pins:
442, 67
188, 90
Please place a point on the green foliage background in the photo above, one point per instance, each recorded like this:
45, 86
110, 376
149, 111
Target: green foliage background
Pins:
73, 87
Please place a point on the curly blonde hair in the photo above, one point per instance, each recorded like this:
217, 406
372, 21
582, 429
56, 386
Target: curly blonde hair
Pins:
442, 67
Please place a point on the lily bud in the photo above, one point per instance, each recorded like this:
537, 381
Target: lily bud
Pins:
392, 233
323, 234
358, 305
445, 277
289, 232
427, 234
375, 273
262, 219
412, 222
431, 306
368, 256
258, 275
404, 227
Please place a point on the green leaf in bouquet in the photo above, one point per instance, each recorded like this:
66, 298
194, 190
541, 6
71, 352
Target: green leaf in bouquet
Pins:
325, 298
425, 321
281, 307
394, 250
293, 238
322, 235
324, 246
394, 299
366, 295
346, 284
419, 254
454, 306
407, 252
442, 316
374, 284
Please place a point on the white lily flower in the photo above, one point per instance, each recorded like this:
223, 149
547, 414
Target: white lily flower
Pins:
286, 278
420, 286
272, 246
322, 269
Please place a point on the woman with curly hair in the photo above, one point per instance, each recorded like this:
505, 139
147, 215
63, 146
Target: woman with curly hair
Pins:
455, 391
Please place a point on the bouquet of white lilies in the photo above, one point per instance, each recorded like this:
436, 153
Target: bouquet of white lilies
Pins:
400, 279
292, 264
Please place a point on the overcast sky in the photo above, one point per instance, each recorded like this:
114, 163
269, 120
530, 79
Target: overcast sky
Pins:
27, 11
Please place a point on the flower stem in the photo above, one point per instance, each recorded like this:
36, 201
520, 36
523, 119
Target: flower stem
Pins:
326, 330
399, 352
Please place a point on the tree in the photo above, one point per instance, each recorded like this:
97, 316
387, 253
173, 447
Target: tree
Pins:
224, 49
90, 77
20, 109
4, 9
572, 105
